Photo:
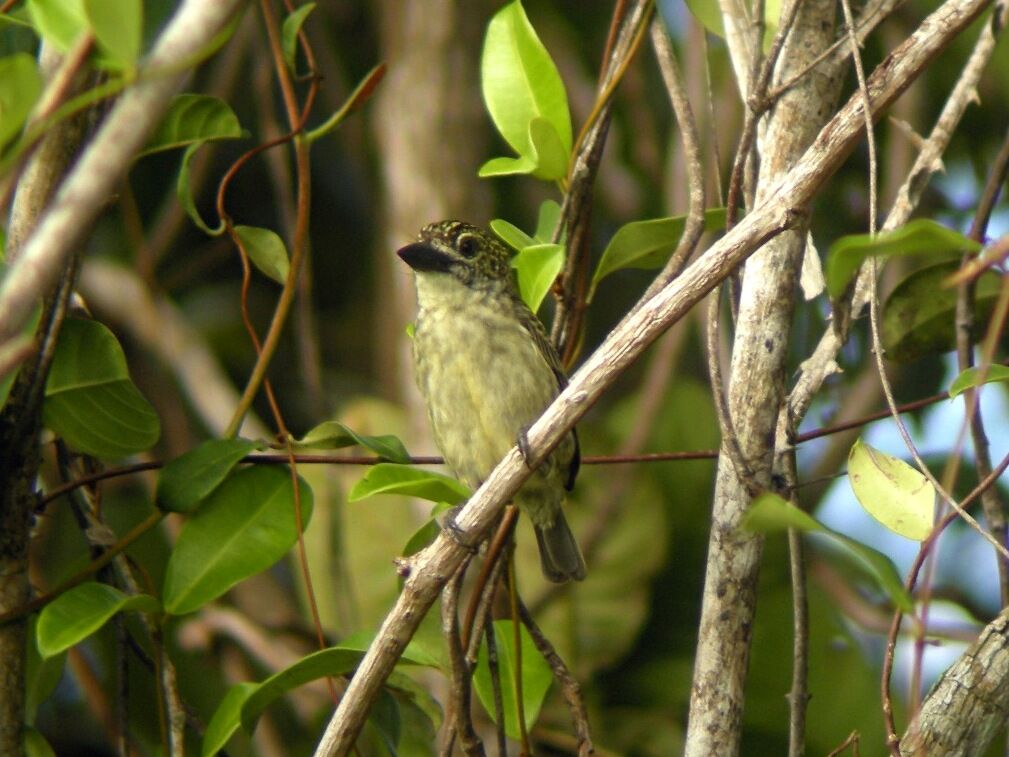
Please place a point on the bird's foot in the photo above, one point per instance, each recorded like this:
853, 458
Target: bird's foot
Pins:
456, 532
523, 444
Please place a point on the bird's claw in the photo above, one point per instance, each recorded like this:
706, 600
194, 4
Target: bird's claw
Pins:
523, 444
456, 533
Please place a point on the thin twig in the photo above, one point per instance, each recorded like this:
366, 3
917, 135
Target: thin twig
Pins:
494, 668
570, 689
992, 506
730, 442
694, 225
586, 154
459, 718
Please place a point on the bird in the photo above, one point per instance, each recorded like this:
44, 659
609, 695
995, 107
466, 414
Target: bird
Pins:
487, 370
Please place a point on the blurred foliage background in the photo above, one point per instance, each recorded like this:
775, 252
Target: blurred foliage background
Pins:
409, 157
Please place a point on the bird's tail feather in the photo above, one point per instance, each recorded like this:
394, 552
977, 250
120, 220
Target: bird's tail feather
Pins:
560, 557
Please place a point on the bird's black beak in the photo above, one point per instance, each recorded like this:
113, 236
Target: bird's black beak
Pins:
422, 256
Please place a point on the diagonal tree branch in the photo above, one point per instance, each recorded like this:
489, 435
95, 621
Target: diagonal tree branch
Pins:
430, 569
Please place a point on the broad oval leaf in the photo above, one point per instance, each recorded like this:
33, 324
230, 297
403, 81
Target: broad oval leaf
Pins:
118, 26
551, 156
891, 491
520, 83
90, 400
506, 167
648, 244
289, 33
78, 613
536, 677
769, 513
335, 661
537, 268
975, 377
919, 316
547, 218
919, 237
20, 88
334, 435
190, 478
389, 478
246, 525
59, 22
266, 250
511, 234
194, 119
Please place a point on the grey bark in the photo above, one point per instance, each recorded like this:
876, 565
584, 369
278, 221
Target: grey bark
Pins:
755, 395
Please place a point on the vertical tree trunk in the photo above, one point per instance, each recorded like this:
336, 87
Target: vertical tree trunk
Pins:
20, 421
755, 394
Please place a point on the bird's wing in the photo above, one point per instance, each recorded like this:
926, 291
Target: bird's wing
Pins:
539, 336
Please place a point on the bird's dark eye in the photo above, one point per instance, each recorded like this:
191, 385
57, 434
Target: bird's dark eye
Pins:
468, 246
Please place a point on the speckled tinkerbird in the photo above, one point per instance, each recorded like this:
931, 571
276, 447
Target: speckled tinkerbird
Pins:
487, 371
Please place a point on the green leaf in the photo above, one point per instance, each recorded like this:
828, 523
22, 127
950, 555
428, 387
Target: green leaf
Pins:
185, 194
547, 158
384, 717
226, 718
537, 268
551, 156
334, 435
506, 167
78, 613
919, 316
975, 377
521, 85
192, 120
361, 94
289, 33
709, 14
921, 236
245, 702
422, 538
118, 27
891, 491
189, 479
266, 250
535, 677
511, 234
389, 478
42, 675
20, 88
244, 526
546, 221
17, 17
648, 244
90, 400
769, 513
335, 661
419, 651
35, 744
59, 22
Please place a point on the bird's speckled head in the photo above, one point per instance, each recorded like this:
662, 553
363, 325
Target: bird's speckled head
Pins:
470, 254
